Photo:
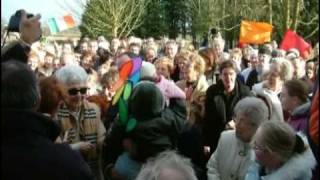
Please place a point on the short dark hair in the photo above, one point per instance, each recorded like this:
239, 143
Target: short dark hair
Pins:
19, 86
297, 88
227, 64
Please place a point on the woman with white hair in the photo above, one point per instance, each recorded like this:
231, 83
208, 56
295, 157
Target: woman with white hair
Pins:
280, 153
79, 119
280, 71
168, 165
232, 156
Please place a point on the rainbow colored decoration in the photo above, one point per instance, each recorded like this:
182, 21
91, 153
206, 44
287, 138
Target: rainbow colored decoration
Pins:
129, 76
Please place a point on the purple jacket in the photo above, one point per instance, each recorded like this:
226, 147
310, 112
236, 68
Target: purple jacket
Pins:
299, 118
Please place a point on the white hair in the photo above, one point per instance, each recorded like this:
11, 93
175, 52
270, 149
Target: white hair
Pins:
253, 108
72, 74
164, 161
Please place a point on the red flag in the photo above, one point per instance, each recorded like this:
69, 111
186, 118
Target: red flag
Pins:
292, 40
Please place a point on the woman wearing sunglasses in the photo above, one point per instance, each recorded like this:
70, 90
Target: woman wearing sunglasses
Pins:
79, 119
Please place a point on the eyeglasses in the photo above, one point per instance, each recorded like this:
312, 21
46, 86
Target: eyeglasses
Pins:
74, 91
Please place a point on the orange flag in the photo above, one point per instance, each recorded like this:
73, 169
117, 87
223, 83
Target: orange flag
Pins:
69, 21
255, 32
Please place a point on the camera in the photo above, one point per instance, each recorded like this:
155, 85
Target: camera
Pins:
15, 21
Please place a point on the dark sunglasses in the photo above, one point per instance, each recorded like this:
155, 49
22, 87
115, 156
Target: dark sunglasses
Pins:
74, 91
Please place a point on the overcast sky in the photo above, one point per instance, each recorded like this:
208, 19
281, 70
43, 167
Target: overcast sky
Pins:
47, 8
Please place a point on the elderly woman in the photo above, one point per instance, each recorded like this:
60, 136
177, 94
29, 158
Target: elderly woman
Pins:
232, 156
280, 153
79, 119
167, 166
280, 71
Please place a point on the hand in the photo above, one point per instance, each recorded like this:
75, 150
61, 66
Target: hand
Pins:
206, 150
231, 125
86, 147
30, 29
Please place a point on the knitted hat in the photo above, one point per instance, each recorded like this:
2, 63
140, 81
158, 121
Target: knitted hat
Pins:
146, 101
148, 70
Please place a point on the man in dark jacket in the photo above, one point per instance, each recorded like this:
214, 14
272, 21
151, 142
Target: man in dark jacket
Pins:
220, 101
28, 150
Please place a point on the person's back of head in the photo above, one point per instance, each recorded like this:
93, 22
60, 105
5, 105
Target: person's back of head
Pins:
19, 86
166, 166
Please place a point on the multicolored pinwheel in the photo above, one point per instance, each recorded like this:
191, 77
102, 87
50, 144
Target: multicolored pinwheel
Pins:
129, 75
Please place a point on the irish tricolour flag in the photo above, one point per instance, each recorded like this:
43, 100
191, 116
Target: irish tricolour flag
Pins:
58, 24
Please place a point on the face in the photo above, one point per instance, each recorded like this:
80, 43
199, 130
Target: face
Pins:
56, 63
171, 50
162, 69
237, 60
150, 55
87, 62
84, 46
76, 94
135, 50
218, 46
228, 76
191, 74
264, 60
67, 48
263, 155
286, 100
254, 60
244, 128
48, 61
33, 63
310, 69
93, 47
273, 77
115, 44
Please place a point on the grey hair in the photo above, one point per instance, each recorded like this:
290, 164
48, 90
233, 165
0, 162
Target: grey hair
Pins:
167, 160
286, 68
20, 89
253, 108
72, 74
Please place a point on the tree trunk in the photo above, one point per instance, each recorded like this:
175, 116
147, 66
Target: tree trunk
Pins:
286, 11
296, 9
270, 11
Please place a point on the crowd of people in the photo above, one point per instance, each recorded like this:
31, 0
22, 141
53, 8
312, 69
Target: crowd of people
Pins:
248, 112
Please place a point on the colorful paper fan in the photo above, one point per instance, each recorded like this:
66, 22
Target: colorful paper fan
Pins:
123, 111
117, 95
129, 74
127, 91
125, 70
132, 123
135, 78
137, 62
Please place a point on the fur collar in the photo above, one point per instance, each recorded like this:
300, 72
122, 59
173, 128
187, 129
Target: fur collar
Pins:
298, 166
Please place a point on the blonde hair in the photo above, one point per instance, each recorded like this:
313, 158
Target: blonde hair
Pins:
236, 52
199, 63
166, 62
280, 139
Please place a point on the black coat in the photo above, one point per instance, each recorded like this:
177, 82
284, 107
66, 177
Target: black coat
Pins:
15, 50
28, 150
219, 111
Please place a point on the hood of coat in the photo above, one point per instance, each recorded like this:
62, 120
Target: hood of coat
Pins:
301, 110
146, 101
